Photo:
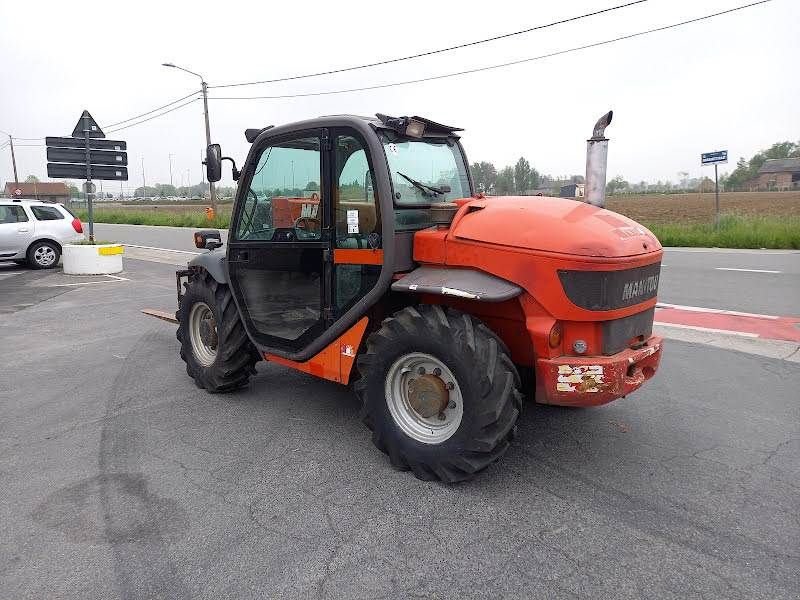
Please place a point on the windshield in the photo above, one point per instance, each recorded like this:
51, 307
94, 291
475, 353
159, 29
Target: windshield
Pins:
425, 171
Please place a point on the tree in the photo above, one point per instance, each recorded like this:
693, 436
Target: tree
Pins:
616, 185
484, 175
166, 189
31, 179
312, 186
505, 181
74, 192
522, 175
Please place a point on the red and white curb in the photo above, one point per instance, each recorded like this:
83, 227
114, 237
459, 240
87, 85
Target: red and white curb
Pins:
766, 335
755, 325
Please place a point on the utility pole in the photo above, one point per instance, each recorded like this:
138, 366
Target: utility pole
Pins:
13, 159
211, 189
144, 183
170, 169
204, 87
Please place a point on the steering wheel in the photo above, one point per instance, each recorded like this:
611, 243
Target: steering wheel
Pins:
309, 226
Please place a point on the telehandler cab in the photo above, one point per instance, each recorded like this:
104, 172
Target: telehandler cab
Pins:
360, 252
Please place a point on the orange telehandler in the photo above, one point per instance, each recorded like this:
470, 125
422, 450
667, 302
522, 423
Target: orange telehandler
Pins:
360, 252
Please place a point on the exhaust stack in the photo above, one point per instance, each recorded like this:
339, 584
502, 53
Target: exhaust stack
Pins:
597, 161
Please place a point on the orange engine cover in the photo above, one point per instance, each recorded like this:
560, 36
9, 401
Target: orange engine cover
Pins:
533, 242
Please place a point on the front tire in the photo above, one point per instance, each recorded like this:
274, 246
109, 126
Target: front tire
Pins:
218, 354
439, 392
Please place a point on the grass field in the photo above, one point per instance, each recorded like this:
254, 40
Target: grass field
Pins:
750, 219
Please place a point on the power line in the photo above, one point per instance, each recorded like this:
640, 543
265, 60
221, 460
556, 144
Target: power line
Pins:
144, 114
149, 112
432, 52
153, 117
492, 67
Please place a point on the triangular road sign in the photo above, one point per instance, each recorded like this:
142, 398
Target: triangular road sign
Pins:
87, 122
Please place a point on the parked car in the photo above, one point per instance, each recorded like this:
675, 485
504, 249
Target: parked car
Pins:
33, 232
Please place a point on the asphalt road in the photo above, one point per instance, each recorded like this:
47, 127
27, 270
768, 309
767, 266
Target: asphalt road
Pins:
120, 479
689, 276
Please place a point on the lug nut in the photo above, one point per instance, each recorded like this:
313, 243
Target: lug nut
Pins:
421, 370
450, 385
442, 416
437, 371
451, 405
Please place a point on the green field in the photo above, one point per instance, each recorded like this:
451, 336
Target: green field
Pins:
749, 220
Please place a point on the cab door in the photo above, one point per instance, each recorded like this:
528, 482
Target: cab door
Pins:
279, 246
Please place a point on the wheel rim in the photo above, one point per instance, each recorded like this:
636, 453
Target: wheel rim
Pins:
424, 398
44, 256
203, 334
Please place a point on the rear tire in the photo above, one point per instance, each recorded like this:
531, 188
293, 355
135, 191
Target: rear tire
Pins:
218, 354
43, 255
449, 447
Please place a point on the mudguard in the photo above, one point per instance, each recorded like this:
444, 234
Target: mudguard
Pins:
212, 261
461, 283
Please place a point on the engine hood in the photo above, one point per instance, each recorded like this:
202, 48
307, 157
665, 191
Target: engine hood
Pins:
552, 225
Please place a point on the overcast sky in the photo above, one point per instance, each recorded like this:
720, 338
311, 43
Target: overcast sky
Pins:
728, 83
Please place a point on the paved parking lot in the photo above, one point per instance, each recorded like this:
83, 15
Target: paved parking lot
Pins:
120, 479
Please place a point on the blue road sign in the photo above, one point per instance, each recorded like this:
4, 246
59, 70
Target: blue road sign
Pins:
714, 158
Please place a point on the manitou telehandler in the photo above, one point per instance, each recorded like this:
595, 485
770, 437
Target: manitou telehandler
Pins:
359, 251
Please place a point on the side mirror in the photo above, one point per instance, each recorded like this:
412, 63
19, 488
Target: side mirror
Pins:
208, 239
213, 162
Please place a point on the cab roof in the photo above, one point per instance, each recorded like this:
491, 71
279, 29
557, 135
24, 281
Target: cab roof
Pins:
378, 122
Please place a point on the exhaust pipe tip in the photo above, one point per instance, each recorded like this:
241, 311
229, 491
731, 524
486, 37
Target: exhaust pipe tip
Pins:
600, 127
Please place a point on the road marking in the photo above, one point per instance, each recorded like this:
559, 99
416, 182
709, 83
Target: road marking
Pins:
732, 250
707, 329
745, 270
157, 248
718, 311
112, 279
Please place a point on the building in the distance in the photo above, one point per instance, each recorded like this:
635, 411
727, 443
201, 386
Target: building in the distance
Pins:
46, 192
778, 174
572, 190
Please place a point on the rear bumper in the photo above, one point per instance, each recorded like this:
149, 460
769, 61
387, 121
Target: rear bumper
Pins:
595, 380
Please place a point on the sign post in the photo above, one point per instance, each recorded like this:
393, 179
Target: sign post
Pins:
715, 158
87, 154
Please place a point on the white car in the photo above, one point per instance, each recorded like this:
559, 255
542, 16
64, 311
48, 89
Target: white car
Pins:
34, 232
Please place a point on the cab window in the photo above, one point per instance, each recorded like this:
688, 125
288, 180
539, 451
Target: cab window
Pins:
356, 210
358, 220
283, 199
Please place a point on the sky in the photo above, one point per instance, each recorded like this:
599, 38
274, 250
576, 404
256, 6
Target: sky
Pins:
726, 83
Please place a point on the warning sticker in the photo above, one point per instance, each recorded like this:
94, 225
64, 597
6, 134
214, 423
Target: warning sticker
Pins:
352, 221
580, 378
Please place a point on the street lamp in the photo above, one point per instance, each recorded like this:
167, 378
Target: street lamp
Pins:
212, 191
170, 169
